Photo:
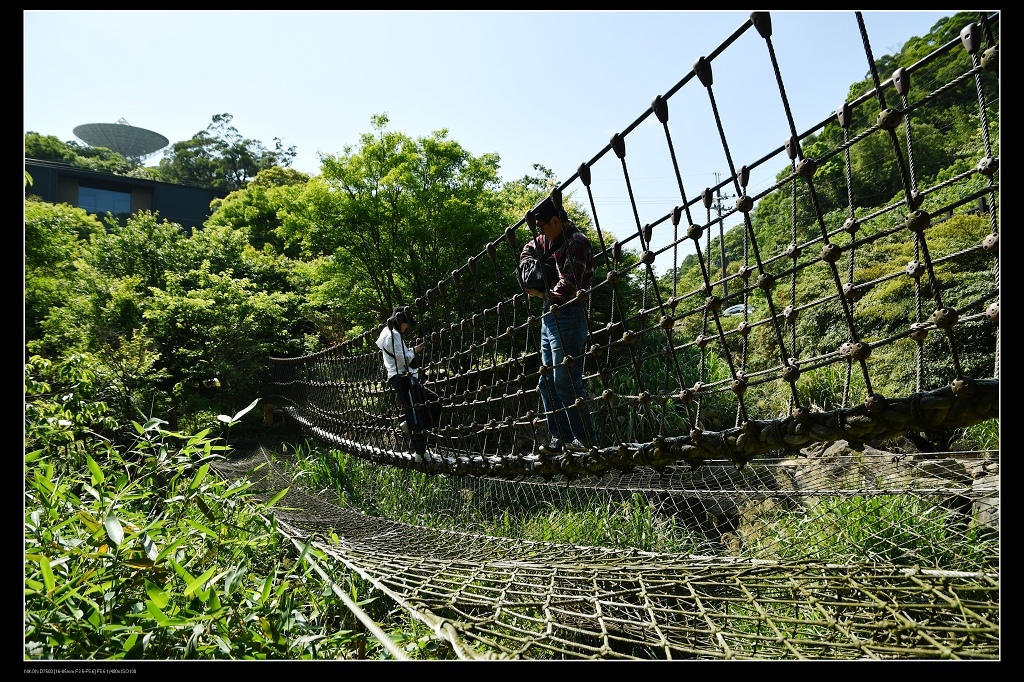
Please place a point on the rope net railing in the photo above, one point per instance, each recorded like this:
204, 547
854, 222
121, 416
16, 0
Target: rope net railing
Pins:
669, 376
857, 324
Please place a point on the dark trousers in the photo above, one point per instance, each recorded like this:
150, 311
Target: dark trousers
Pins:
422, 409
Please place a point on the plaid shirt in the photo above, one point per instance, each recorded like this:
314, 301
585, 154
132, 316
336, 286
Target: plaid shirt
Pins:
574, 262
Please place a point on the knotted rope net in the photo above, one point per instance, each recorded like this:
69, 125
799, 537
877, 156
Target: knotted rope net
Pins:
723, 423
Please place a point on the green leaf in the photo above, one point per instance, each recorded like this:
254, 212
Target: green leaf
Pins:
233, 576
200, 475
203, 529
167, 550
114, 530
158, 596
215, 604
205, 509
267, 584
305, 550
154, 424
97, 473
239, 415
181, 571
156, 613
277, 497
44, 567
197, 584
41, 482
130, 642
198, 437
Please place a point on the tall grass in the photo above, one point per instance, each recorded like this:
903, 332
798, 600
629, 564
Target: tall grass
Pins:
847, 527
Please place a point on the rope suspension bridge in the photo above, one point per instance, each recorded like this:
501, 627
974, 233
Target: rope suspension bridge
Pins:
859, 325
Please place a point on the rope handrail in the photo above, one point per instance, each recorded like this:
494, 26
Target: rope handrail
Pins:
485, 365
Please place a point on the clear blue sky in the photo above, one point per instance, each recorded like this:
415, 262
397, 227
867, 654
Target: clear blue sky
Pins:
530, 86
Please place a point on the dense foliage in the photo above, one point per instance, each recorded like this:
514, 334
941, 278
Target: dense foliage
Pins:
50, 148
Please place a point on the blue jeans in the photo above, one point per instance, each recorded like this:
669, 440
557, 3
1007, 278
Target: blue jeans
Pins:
561, 335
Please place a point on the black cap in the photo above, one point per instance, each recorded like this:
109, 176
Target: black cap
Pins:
545, 210
403, 313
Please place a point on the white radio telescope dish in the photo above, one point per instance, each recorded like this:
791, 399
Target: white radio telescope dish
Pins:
127, 140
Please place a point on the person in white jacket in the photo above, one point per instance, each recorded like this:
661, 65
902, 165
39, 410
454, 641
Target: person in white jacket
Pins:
421, 406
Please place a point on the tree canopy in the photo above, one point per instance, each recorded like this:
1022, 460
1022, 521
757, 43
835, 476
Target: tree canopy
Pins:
390, 217
50, 148
219, 157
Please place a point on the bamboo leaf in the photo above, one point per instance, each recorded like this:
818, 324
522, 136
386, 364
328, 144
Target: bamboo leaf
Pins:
137, 649
200, 475
181, 571
203, 529
157, 595
198, 437
239, 415
267, 631
114, 530
277, 497
205, 509
305, 550
149, 547
91, 523
232, 577
215, 604
42, 482
139, 563
97, 473
156, 613
44, 568
167, 550
197, 584
245, 411
267, 584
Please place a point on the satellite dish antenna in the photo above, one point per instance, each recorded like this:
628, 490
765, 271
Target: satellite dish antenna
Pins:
129, 141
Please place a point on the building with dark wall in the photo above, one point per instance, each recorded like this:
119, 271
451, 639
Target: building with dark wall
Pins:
101, 193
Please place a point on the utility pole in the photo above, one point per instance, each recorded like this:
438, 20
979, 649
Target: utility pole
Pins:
717, 205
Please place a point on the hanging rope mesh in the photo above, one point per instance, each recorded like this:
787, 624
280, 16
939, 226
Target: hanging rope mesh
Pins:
691, 427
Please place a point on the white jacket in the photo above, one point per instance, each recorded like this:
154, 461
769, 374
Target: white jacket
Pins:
397, 355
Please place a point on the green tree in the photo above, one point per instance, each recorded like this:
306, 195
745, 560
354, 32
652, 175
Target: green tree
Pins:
55, 235
49, 148
258, 206
395, 214
219, 157
216, 332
